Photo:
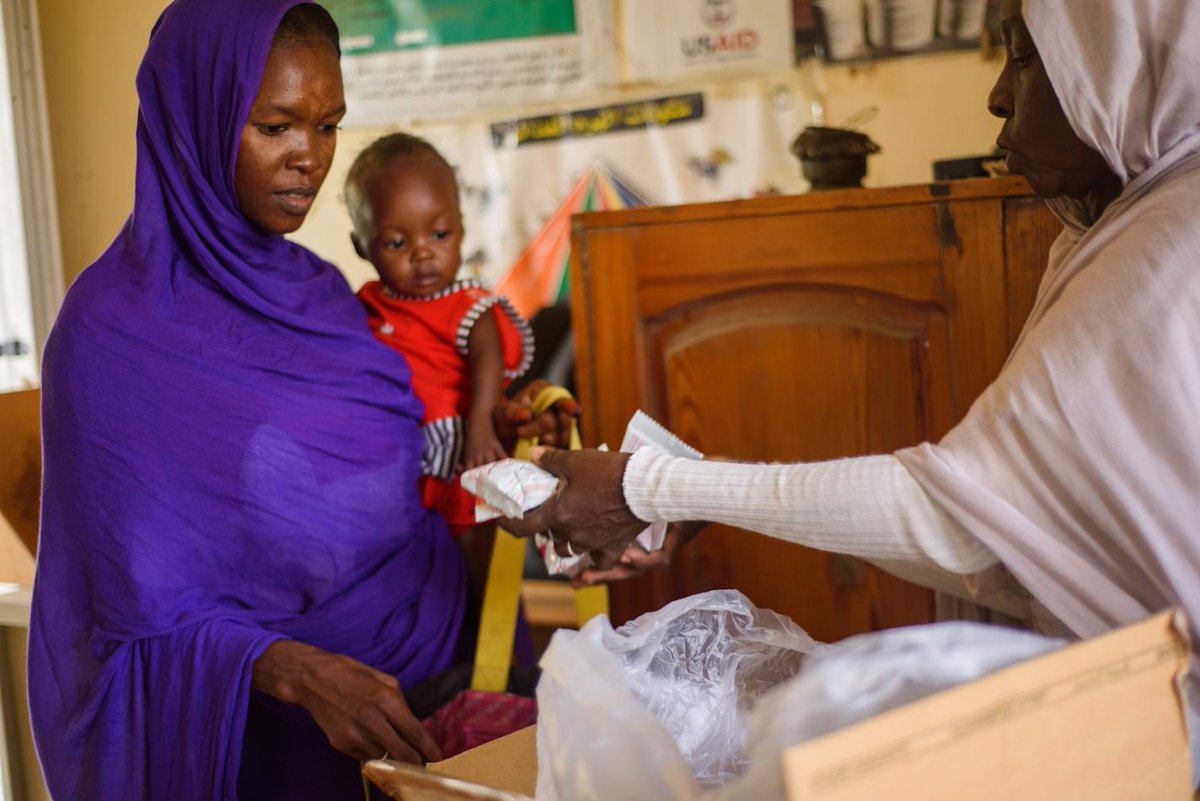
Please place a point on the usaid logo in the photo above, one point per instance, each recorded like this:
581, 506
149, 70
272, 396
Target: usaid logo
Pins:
722, 42
717, 14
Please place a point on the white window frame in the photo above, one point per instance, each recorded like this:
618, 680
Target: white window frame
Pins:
43, 248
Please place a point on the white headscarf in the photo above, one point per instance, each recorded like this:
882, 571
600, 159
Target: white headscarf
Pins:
1080, 466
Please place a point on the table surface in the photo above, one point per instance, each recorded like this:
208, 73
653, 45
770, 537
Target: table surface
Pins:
14, 605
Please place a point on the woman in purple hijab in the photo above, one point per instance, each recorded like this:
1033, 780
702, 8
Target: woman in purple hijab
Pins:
235, 569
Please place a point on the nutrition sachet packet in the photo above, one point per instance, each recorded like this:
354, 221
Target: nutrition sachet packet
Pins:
507, 488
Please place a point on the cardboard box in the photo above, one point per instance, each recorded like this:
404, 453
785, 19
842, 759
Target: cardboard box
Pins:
502, 770
1101, 720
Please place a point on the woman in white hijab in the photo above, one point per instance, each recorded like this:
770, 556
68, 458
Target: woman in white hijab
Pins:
1078, 471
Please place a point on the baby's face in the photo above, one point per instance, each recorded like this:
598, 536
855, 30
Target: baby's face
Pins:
417, 244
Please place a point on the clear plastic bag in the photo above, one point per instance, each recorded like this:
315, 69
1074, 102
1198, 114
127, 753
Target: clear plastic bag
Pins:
668, 706
656, 709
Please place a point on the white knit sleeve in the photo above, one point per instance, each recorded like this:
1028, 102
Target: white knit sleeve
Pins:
868, 506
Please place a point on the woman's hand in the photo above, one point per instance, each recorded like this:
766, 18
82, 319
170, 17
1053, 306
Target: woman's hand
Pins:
588, 509
637, 560
361, 710
514, 419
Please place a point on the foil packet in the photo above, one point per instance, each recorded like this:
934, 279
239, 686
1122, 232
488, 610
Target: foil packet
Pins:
507, 488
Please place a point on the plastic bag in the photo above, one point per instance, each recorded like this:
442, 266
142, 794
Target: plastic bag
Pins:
656, 709
668, 706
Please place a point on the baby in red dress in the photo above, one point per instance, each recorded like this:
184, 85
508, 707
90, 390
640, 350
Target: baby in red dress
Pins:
463, 343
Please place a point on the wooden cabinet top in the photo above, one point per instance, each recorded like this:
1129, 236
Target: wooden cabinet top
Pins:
837, 200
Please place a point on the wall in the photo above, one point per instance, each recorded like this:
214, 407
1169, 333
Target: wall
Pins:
931, 107
91, 53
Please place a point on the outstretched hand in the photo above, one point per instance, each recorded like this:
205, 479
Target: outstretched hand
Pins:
361, 710
588, 510
636, 560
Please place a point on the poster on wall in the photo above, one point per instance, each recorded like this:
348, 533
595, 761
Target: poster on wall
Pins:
430, 59
672, 40
849, 30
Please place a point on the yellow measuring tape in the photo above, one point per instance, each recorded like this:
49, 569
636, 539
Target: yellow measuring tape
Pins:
502, 596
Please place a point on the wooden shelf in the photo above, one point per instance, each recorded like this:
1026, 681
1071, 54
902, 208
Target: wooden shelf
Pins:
549, 604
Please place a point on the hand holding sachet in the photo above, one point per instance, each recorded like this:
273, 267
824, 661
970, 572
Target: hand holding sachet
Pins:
511, 489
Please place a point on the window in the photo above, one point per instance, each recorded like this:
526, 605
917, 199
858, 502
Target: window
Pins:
18, 363
30, 262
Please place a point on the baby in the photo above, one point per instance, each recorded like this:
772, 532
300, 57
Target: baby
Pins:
462, 343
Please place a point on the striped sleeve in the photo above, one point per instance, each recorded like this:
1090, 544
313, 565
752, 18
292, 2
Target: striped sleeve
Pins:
517, 336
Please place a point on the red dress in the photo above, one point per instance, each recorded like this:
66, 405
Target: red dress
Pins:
432, 334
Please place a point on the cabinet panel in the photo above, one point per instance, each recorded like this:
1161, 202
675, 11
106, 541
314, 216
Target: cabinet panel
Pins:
792, 373
893, 251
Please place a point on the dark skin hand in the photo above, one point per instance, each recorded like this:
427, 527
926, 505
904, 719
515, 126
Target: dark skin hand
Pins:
514, 419
362, 711
636, 560
588, 509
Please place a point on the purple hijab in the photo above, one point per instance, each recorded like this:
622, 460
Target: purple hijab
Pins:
231, 458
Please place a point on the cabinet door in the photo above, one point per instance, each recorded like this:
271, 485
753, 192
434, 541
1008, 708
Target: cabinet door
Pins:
794, 373
789, 333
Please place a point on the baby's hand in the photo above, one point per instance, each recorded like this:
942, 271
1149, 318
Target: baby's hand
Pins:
482, 447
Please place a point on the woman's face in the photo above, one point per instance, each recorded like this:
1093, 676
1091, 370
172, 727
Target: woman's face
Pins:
288, 142
1040, 142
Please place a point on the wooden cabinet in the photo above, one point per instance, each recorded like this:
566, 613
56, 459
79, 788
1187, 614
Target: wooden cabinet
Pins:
801, 328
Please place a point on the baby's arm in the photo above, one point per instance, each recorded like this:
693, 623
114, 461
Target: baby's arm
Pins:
486, 360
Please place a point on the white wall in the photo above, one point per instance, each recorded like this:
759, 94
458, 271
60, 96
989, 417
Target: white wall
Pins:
930, 108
